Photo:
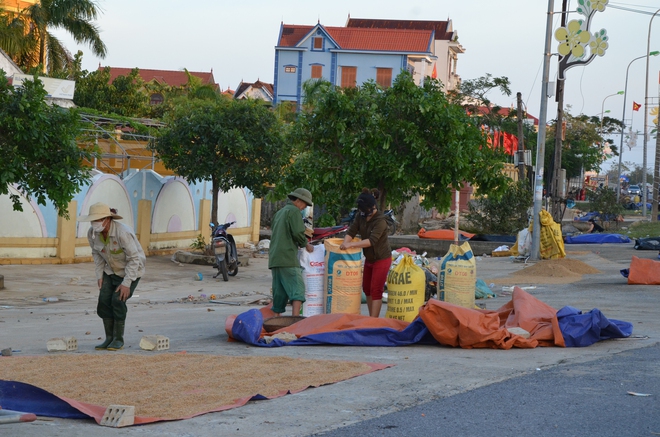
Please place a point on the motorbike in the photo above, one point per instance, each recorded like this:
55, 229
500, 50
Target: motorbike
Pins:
320, 234
389, 217
224, 249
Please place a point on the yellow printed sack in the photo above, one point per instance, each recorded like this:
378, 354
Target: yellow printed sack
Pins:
551, 241
343, 279
406, 284
458, 276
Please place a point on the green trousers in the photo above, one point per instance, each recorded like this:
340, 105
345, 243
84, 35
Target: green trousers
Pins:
109, 305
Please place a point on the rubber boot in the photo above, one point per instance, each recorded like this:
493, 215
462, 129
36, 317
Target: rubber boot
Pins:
118, 334
108, 324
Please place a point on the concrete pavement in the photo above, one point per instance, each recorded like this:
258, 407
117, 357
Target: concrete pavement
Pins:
421, 373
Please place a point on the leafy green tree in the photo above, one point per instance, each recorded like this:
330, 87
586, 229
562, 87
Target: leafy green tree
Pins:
404, 140
38, 147
581, 150
125, 95
472, 94
235, 143
604, 201
504, 216
193, 89
608, 127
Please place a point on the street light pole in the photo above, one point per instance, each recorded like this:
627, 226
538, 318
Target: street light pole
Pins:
623, 123
646, 121
602, 115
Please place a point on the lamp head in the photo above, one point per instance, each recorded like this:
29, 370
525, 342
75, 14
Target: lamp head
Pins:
654, 53
620, 92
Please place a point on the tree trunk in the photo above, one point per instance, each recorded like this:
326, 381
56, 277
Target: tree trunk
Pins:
214, 201
521, 138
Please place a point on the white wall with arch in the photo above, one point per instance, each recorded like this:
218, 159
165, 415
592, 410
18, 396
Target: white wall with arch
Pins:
175, 207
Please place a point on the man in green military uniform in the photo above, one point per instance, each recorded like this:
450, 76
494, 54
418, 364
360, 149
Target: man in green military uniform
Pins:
288, 234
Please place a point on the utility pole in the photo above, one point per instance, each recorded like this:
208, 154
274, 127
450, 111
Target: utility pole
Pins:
556, 176
540, 142
521, 139
572, 51
656, 168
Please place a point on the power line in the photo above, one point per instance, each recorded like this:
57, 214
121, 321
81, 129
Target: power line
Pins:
637, 11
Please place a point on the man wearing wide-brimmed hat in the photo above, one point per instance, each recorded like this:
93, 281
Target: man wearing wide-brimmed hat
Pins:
288, 234
120, 262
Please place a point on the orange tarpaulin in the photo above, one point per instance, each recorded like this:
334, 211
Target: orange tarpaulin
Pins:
450, 325
443, 234
644, 271
453, 325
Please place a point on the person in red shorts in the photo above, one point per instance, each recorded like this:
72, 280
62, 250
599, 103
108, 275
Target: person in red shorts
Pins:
372, 227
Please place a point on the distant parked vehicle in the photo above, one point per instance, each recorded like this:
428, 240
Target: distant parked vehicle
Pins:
634, 190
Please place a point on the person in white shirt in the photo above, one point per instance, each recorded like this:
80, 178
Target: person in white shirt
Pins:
120, 263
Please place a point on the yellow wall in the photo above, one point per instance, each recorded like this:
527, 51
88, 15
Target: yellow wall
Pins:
140, 157
15, 5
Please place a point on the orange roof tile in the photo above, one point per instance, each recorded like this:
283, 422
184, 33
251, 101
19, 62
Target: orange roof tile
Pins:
169, 77
442, 30
393, 40
292, 34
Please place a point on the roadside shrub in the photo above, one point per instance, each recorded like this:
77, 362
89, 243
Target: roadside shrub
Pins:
199, 243
604, 201
504, 216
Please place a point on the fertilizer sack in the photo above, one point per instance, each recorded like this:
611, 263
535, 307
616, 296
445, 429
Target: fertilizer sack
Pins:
343, 280
406, 284
551, 240
313, 265
458, 276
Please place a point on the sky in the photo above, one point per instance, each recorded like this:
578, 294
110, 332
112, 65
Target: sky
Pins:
501, 37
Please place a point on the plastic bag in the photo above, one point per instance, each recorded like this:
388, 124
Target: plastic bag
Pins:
313, 265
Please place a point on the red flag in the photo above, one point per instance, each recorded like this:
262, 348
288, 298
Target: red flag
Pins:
510, 143
636, 106
434, 75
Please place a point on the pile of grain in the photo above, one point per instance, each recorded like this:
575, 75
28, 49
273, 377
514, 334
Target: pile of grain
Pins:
557, 268
552, 271
173, 386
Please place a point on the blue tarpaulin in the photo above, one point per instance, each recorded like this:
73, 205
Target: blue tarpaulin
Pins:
247, 328
19, 396
597, 239
577, 329
584, 329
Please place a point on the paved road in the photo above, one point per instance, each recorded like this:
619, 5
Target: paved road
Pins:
478, 378
588, 399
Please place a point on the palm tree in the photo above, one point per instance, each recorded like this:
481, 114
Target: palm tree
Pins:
74, 16
12, 36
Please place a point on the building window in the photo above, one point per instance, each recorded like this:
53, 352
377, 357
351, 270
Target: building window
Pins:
317, 71
348, 77
384, 77
289, 69
156, 99
317, 43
